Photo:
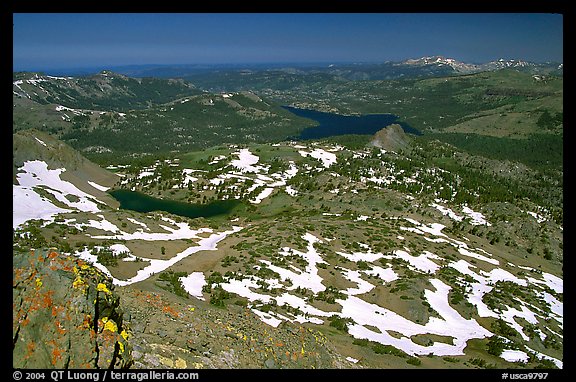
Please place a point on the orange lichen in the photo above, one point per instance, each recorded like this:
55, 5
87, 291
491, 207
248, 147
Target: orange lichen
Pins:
67, 267
18, 275
25, 321
86, 321
46, 299
56, 352
59, 327
171, 311
56, 310
30, 349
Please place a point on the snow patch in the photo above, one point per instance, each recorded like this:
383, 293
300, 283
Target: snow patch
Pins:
97, 186
157, 265
327, 159
477, 217
32, 206
193, 284
246, 161
41, 142
514, 356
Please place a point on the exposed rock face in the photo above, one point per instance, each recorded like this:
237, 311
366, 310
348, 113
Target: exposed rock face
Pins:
65, 315
391, 138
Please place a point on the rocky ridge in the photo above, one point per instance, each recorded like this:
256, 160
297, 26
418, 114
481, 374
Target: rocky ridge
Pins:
66, 314
169, 333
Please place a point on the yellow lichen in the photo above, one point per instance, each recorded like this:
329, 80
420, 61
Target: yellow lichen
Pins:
103, 288
180, 363
121, 347
124, 334
109, 325
166, 361
38, 282
78, 282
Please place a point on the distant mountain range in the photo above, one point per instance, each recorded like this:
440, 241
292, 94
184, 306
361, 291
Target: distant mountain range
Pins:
462, 67
436, 66
419, 67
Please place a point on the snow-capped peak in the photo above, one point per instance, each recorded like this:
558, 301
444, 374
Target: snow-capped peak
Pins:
502, 63
440, 61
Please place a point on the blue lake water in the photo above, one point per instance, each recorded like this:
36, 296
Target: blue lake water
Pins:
330, 124
137, 201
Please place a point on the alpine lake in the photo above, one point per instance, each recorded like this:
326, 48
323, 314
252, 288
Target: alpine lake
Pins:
329, 124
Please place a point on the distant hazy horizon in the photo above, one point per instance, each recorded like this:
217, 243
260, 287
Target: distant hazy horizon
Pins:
58, 41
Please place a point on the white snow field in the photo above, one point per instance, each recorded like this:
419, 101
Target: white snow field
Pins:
160, 265
366, 316
29, 204
246, 161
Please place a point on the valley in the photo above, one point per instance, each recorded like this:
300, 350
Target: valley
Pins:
442, 252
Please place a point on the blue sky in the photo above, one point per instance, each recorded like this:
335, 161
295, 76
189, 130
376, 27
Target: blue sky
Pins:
44, 41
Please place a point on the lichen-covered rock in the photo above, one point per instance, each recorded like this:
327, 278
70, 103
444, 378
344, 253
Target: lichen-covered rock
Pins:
65, 315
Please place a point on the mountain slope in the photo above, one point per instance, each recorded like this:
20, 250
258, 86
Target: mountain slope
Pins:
105, 90
333, 255
460, 67
47, 172
330, 240
160, 116
505, 103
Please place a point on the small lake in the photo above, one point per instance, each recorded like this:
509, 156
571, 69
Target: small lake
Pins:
137, 201
335, 124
